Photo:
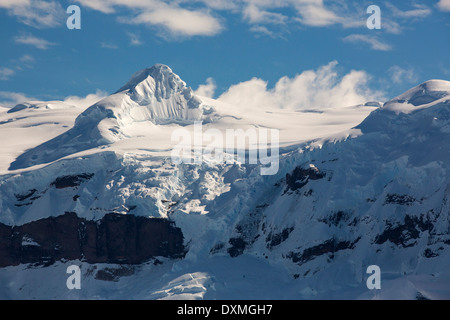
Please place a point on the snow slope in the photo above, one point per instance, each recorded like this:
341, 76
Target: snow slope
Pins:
30, 124
357, 186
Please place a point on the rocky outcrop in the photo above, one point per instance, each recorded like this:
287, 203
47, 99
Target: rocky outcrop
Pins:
329, 247
300, 178
118, 239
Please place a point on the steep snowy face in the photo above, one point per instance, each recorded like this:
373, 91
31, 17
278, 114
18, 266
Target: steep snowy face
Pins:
158, 83
154, 94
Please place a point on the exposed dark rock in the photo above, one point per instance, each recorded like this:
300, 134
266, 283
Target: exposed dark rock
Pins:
300, 178
118, 239
337, 218
114, 274
71, 181
428, 253
402, 234
217, 248
26, 195
400, 199
248, 231
328, 247
238, 245
274, 240
421, 297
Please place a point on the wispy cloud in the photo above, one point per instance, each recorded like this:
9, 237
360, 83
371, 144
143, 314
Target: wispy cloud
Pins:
419, 11
203, 18
109, 45
187, 18
254, 14
179, 22
35, 13
87, 101
6, 73
26, 58
171, 18
373, 41
31, 40
401, 75
25, 61
134, 39
11, 99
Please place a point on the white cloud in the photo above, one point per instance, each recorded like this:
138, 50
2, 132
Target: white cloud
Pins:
322, 88
87, 101
103, 6
399, 75
256, 15
11, 99
170, 17
373, 41
134, 39
36, 13
109, 45
200, 17
187, 18
26, 58
314, 13
208, 89
444, 5
31, 40
419, 11
180, 22
6, 73
394, 20
11, 3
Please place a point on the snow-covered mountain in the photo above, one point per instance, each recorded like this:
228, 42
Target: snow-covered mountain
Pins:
356, 186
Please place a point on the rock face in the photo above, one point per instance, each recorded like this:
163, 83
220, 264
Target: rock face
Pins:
118, 239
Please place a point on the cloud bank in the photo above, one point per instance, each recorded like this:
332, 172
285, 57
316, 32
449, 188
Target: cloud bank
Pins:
314, 89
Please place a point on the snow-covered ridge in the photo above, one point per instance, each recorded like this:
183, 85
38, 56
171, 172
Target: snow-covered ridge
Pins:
40, 106
423, 96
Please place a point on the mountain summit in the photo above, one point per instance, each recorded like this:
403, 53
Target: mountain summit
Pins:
154, 94
158, 82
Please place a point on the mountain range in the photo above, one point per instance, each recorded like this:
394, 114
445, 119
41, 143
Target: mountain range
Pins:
356, 186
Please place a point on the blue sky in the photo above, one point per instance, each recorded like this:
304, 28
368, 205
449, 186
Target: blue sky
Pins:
219, 44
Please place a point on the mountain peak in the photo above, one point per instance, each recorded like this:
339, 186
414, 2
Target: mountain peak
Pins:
159, 73
158, 83
425, 93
